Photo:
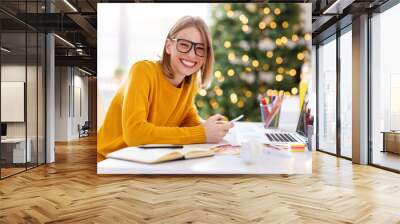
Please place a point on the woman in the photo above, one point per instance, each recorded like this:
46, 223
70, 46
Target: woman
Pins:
156, 104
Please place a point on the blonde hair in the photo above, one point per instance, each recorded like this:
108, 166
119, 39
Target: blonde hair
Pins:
207, 67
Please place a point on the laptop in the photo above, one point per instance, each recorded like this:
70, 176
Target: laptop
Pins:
277, 136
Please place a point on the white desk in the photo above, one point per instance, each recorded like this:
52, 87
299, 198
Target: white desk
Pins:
272, 163
19, 154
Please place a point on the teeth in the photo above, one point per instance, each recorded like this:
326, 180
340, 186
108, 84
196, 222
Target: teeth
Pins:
188, 63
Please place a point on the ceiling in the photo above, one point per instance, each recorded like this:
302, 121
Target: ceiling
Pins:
76, 22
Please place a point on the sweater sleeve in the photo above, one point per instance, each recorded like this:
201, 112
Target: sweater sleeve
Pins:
192, 118
135, 109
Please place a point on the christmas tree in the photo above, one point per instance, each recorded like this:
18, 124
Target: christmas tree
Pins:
259, 48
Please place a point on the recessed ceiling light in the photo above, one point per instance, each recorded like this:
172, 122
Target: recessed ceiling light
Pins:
5, 50
64, 40
84, 71
70, 5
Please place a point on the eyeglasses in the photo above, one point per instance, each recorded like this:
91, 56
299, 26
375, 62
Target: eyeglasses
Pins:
184, 46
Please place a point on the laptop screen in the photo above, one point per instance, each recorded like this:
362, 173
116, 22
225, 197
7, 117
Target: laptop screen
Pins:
301, 124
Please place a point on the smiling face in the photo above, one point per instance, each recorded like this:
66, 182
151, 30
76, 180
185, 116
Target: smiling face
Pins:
185, 64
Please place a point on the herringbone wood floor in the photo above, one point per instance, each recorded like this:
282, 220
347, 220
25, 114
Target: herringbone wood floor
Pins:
70, 191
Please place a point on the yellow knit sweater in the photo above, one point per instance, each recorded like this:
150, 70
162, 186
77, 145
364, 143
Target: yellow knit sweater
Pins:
148, 109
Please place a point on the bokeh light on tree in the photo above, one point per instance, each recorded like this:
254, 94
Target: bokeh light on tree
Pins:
259, 48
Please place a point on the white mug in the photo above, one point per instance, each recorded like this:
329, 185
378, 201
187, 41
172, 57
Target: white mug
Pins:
251, 151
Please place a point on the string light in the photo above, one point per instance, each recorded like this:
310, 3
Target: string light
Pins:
231, 72
277, 11
266, 67
227, 44
245, 28
200, 103
231, 56
240, 104
227, 7
279, 78
307, 36
230, 13
234, 98
300, 56
221, 79
202, 92
287, 93
217, 74
243, 19
255, 63
219, 92
292, 72
280, 70
279, 60
281, 92
266, 10
284, 39
270, 54
248, 93
285, 24
278, 42
214, 104
245, 58
294, 90
248, 69
272, 25
295, 37
262, 25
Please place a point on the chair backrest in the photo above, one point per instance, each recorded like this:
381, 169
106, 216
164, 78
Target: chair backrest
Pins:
86, 125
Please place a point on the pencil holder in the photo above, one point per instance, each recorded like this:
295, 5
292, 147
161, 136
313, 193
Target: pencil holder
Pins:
270, 120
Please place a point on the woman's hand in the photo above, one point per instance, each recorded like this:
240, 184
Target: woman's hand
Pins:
216, 131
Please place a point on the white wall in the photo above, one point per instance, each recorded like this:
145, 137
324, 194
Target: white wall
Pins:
70, 83
127, 33
14, 73
33, 127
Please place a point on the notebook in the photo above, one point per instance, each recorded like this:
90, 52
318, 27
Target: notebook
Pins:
151, 156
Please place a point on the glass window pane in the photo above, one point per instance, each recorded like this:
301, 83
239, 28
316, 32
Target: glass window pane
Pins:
385, 84
13, 85
41, 98
327, 97
31, 97
346, 94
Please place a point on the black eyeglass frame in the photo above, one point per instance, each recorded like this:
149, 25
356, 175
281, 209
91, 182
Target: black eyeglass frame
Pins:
192, 45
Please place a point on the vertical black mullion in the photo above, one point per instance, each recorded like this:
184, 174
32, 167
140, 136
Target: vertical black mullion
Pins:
37, 89
45, 89
26, 86
369, 79
317, 93
338, 94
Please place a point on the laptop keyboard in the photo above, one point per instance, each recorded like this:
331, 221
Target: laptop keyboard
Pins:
280, 137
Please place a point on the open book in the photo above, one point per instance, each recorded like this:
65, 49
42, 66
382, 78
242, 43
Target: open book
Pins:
158, 155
